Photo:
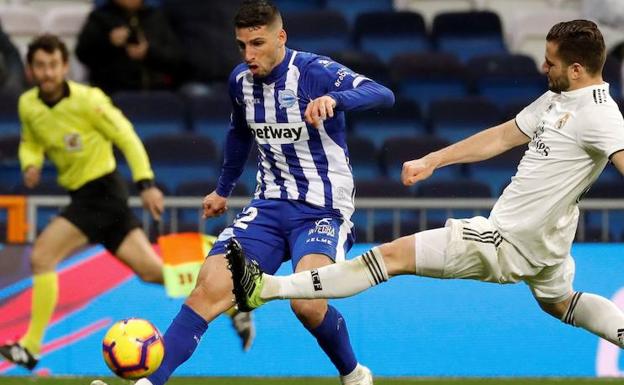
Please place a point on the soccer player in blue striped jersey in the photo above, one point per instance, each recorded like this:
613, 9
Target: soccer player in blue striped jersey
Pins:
291, 104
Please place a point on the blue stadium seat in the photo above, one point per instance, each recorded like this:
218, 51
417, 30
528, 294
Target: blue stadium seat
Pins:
291, 6
182, 158
363, 158
468, 34
210, 116
403, 119
153, 113
497, 171
378, 188
507, 79
390, 33
10, 173
396, 151
306, 34
612, 189
9, 119
456, 119
457, 188
202, 188
352, 8
364, 63
427, 77
612, 74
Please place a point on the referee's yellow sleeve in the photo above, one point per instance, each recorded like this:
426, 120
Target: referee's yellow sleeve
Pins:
113, 125
30, 151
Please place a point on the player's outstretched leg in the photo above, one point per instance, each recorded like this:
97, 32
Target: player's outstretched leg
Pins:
246, 276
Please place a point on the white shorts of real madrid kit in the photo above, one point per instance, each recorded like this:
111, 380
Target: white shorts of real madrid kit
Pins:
473, 249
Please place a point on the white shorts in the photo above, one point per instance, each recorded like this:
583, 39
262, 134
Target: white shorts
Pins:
473, 249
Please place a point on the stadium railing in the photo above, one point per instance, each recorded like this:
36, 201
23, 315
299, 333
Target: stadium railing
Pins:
479, 206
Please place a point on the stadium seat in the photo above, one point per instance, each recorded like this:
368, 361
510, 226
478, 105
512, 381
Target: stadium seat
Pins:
612, 74
468, 34
427, 77
506, 79
200, 188
352, 8
362, 157
364, 63
291, 6
366, 220
612, 189
304, 33
497, 171
153, 113
390, 33
210, 116
456, 119
457, 188
9, 119
396, 151
10, 173
182, 158
403, 119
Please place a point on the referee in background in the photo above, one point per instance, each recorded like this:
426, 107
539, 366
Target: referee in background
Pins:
76, 126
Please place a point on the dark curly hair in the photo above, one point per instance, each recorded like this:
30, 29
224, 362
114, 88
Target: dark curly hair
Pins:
48, 43
256, 13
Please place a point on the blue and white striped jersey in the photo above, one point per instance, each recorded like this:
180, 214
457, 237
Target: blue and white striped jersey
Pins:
295, 160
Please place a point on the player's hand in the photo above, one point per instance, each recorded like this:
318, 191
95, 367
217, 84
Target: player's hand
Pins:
32, 176
118, 36
138, 51
214, 205
417, 170
153, 201
320, 109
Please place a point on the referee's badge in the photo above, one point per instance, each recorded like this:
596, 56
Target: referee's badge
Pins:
286, 98
73, 142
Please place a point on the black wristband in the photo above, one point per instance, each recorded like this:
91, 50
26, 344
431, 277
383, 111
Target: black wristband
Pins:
144, 184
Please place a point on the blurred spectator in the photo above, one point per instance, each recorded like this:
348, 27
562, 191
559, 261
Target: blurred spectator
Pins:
12, 75
609, 15
128, 45
204, 29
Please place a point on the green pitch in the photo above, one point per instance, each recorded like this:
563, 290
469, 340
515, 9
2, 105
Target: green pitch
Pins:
319, 381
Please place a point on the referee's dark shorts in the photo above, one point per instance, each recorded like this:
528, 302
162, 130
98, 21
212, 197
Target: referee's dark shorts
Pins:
100, 210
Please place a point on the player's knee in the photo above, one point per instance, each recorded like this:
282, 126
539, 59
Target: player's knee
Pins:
41, 261
151, 276
398, 256
556, 310
309, 312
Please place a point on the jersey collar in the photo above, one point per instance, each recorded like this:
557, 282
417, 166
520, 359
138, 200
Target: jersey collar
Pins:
585, 90
280, 70
66, 94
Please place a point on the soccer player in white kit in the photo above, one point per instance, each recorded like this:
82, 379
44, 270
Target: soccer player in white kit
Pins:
572, 131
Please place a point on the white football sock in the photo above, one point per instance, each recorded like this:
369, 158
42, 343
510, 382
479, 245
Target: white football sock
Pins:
342, 279
597, 315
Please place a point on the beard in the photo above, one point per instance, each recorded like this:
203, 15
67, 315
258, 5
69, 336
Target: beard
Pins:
559, 85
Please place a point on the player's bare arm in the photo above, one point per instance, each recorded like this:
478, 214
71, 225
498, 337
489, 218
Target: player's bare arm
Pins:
214, 205
320, 109
484, 145
153, 201
32, 175
618, 161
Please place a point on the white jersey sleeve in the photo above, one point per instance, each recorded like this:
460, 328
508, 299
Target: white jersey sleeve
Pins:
604, 132
528, 119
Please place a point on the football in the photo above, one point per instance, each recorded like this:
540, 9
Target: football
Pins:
133, 348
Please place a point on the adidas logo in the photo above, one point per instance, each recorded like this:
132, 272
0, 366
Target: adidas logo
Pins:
316, 280
620, 335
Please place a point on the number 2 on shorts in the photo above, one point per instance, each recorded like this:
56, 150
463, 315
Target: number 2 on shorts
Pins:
247, 215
